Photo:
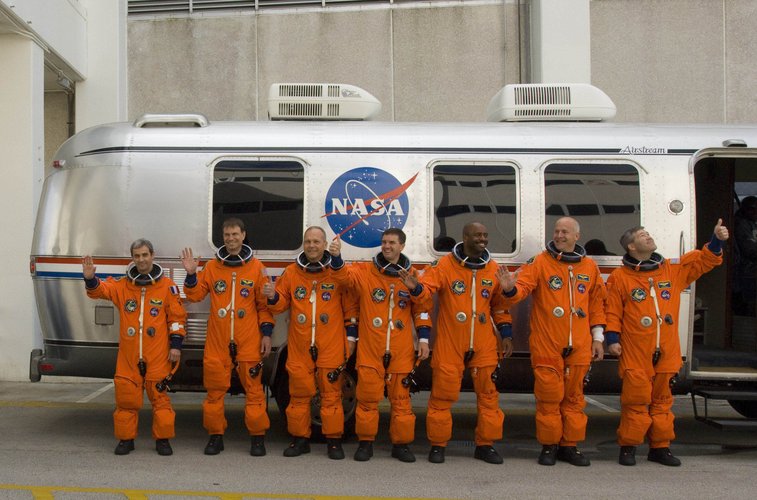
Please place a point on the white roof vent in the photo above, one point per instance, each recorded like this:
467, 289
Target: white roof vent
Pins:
320, 101
550, 102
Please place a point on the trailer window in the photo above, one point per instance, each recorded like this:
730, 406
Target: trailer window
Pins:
267, 195
604, 198
467, 193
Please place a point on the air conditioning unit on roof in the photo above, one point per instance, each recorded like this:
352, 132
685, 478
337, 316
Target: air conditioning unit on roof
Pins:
550, 102
320, 101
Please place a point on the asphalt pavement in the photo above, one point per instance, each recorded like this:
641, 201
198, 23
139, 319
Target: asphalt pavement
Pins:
58, 443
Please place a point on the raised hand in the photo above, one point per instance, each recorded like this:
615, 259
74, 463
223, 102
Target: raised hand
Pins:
88, 267
409, 279
506, 279
269, 290
188, 261
335, 247
721, 232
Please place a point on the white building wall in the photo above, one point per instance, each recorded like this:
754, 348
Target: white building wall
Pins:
560, 41
102, 96
82, 42
22, 143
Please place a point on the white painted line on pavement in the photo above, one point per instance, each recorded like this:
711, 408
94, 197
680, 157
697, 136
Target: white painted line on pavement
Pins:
87, 399
596, 403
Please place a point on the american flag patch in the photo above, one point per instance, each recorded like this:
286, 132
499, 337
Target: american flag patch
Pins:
174, 290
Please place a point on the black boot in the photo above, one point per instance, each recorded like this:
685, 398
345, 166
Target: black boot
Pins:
124, 447
297, 447
364, 451
163, 447
402, 453
334, 449
215, 444
627, 455
436, 455
663, 456
257, 446
548, 455
488, 454
571, 455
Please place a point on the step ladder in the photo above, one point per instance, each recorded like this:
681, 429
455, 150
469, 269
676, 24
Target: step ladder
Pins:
706, 394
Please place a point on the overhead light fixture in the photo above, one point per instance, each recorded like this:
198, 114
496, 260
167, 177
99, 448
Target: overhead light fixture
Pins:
65, 83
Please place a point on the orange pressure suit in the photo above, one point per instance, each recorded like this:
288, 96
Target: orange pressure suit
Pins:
568, 302
313, 294
386, 308
469, 295
150, 312
646, 400
237, 307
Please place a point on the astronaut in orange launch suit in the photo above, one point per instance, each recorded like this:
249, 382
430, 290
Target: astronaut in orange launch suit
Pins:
567, 323
312, 288
642, 315
151, 334
469, 297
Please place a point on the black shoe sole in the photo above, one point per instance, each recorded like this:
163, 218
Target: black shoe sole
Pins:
297, 453
124, 450
404, 457
662, 462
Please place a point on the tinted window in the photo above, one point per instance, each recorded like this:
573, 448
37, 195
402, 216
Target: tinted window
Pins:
475, 193
604, 198
266, 195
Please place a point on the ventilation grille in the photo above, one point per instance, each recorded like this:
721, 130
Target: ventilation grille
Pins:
301, 91
524, 113
320, 101
541, 96
301, 109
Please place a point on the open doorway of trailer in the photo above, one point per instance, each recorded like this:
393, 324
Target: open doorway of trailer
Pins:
725, 319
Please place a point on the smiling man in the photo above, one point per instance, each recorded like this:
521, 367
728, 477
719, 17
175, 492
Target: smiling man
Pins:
386, 351
469, 298
642, 330
311, 289
151, 335
239, 333
567, 323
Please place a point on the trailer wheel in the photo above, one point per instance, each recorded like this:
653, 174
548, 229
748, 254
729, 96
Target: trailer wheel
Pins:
746, 408
34, 374
349, 403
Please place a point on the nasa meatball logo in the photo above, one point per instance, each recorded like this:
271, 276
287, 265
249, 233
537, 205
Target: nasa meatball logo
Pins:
364, 202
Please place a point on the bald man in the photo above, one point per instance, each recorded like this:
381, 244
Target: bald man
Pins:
471, 305
567, 325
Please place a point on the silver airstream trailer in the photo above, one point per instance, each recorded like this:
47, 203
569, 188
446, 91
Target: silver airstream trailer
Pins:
174, 178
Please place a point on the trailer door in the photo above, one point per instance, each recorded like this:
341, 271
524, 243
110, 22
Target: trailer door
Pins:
723, 348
